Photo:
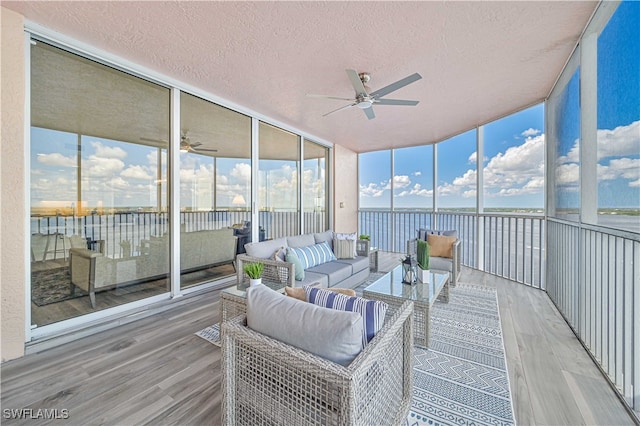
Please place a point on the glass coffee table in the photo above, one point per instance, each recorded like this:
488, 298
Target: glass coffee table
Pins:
390, 289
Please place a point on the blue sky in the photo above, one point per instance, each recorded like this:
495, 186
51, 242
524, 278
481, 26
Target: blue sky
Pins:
513, 162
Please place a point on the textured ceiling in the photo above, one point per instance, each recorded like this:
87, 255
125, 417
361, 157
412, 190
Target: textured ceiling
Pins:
479, 60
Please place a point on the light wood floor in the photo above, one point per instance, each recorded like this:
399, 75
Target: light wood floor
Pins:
156, 371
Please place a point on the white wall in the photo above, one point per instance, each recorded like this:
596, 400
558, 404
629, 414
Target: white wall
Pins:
345, 190
12, 189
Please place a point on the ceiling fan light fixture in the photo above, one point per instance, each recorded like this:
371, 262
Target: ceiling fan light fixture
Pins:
364, 103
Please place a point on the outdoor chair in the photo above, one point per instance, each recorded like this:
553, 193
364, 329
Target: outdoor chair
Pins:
265, 381
438, 262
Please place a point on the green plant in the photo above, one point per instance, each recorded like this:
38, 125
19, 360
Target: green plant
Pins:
364, 237
423, 254
254, 270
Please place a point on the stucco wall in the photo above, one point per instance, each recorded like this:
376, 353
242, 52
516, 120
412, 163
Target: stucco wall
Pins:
345, 190
12, 202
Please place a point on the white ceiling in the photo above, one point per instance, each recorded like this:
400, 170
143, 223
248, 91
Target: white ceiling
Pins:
479, 60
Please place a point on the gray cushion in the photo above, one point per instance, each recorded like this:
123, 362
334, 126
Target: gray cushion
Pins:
422, 233
265, 249
441, 264
335, 271
303, 240
298, 269
326, 236
358, 264
314, 279
331, 334
344, 249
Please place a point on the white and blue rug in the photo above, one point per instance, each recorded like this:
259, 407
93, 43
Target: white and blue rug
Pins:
462, 378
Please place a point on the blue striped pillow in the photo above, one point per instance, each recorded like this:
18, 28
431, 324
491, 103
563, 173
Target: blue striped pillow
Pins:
314, 255
372, 311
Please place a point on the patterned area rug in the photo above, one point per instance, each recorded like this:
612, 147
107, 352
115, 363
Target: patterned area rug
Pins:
211, 334
52, 286
462, 378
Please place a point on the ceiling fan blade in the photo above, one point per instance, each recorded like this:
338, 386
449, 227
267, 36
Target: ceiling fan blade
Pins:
195, 144
395, 86
339, 109
369, 113
356, 82
311, 95
395, 102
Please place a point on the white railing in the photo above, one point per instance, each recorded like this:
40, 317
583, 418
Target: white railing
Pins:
593, 278
510, 246
133, 227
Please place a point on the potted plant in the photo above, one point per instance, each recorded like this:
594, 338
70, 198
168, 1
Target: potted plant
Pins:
422, 253
254, 272
364, 237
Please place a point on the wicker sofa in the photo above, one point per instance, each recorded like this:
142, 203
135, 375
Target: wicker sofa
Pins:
265, 381
343, 273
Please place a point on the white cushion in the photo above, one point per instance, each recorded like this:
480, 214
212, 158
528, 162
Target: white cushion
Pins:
347, 236
344, 249
331, 334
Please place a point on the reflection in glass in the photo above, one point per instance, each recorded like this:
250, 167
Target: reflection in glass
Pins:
567, 136
619, 120
215, 189
314, 187
98, 193
278, 204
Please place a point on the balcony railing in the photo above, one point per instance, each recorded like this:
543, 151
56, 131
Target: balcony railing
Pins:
594, 280
133, 227
510, 246
592, 276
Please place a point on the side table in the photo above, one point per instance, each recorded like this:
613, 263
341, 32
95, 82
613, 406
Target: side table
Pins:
373, 259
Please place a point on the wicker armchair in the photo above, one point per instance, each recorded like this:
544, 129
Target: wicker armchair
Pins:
265, 381
450, 265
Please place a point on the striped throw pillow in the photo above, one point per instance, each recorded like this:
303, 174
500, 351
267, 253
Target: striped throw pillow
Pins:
372, 311
344, 248
314, 255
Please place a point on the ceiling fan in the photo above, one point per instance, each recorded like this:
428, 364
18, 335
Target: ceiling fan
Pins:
365, 98
185, 144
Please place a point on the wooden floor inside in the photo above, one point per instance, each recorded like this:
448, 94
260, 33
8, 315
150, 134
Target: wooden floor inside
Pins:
157, 371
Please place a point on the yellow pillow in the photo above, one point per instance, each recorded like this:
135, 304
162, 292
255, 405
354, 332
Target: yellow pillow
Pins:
441, 246
300, 294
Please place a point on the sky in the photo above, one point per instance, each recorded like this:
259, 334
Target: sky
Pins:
513, 163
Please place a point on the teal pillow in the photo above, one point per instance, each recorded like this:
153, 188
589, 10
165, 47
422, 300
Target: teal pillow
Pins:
291, 257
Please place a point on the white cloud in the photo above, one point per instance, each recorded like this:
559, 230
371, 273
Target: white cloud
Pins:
242, 172
417, 173
625, 168
401, 181
97, 167
136, 172
567, 174
621, 141
57, 160
530, 132
372, 190
108, 152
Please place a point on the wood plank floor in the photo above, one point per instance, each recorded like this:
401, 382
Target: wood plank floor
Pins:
156, 371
